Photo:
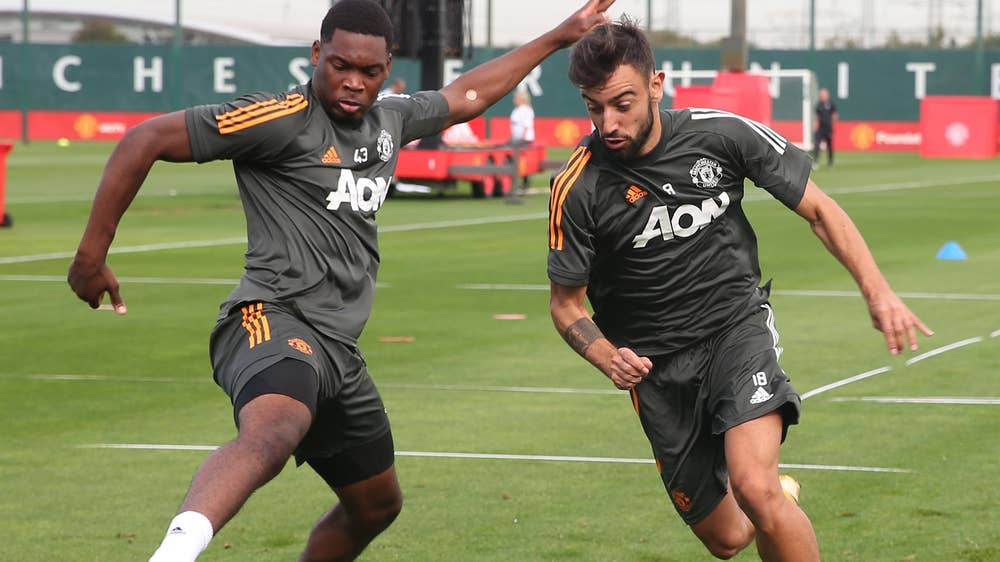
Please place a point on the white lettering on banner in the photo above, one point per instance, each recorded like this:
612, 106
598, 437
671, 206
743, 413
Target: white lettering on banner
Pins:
843, 80
297, 68
664, 225
995, 80
223, 74
141, 72
452, 70
896, 139
59, 73
920, 70
530, 82
685, 75
774, 83
364, 194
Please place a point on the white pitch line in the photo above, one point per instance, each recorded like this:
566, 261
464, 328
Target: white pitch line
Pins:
243, 240
883, 187
925, 400
943, 349
781, 292
140, 280
402, 386
995, 334
135, 280
104, 378
493, 456
844, 382
487, 388
129, 249
462, 222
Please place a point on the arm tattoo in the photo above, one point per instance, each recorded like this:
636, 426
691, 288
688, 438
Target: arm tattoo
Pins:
581, 334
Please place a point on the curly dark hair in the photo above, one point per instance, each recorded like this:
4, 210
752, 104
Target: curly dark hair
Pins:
600, 52
357, 16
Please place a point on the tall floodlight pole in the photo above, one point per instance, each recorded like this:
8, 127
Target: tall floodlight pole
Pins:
649, 15
175, 72
489, 23
25, 81
734, 48
979, 67
812, 25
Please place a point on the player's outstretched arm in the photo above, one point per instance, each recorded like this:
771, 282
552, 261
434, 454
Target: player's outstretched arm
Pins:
160, 138
622, 365
473, 92
841, 237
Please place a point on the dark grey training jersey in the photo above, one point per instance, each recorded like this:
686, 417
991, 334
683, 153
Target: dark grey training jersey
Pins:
662, 243
310, 189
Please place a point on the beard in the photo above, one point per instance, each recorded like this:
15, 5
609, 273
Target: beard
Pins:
635, 144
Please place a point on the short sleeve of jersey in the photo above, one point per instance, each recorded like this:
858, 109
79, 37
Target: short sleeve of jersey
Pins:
772, 163
423, 113
571, 222
256, 126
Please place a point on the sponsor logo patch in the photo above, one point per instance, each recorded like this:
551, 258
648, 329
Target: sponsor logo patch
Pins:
331, 156
682, 500
635, 193
384, 146
706, 173
298, 344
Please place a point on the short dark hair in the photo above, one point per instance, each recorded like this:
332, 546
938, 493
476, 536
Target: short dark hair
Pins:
357, 16
608, 46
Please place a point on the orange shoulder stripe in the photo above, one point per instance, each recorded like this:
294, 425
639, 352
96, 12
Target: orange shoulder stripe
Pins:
564, 181
260, 115
292, 98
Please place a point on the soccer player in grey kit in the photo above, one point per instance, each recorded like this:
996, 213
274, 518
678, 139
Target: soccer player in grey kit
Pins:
313, 166
646, 221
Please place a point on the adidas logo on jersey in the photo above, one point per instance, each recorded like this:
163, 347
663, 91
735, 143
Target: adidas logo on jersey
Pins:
635, 193
684, 222
331, 156
760, 396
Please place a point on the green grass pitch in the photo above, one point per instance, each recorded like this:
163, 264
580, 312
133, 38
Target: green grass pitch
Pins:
71, 377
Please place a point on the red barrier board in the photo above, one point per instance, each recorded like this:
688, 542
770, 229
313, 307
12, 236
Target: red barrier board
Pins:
5, 147
959, 126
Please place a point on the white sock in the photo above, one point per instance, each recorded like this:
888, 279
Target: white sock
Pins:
187, 536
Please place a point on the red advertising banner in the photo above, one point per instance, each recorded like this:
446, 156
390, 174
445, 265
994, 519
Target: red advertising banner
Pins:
959, 126
550, 131
72, 125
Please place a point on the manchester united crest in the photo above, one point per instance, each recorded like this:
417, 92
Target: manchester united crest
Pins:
706, 173
384, 146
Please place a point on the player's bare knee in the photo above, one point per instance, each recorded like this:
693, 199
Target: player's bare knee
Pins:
724, 549
726, 542
373, 517
758, 498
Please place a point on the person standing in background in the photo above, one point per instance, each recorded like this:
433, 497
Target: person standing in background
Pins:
522, 119
397, 87
826, 115
522, 124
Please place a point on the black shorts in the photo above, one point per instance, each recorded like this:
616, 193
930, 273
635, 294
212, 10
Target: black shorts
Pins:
690, 398
348, 412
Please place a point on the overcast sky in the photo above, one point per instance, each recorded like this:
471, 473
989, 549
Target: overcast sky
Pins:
771, 23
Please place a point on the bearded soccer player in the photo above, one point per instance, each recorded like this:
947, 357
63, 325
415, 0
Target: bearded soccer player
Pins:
313, 166
646, 222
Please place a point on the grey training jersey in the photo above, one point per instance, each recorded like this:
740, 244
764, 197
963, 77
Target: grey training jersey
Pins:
661, 242
310, 189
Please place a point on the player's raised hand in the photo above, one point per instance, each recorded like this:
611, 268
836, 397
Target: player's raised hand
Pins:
593, 13
895, 320
90, 281
628, 369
